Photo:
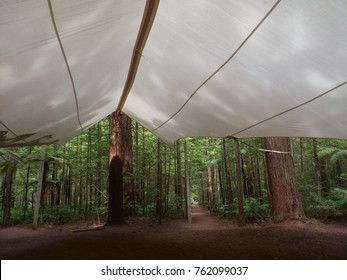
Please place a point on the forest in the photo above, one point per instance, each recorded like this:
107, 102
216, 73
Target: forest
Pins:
75, 182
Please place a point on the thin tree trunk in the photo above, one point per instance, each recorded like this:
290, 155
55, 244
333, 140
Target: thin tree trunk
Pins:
7, 195
285, 201
143, 191
241, 217
301, 160
63, 181
259, 178
99, 175
159, 183
137, 163
80, 190
90, 173
210, 188
228, 179
188, 201
167, 189
179, 196
317, 167
40, 182
26, 191
44, 188
244, 178
221, 187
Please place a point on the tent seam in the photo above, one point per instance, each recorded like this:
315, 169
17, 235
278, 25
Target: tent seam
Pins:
222, 66
293, 108
142, 36
66, 61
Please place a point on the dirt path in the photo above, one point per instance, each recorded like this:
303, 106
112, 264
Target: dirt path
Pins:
208, 237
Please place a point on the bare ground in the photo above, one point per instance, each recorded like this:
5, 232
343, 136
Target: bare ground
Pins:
208, 237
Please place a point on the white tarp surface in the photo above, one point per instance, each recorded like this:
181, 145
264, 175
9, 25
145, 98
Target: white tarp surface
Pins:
241, 68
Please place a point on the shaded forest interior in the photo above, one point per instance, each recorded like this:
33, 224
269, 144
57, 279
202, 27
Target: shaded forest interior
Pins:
75, 179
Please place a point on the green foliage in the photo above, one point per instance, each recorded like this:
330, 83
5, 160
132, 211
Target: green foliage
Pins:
81, 168
56, 216
255, 209
338, 155
332, 207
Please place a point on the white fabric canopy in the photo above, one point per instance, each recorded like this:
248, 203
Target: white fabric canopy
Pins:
241, 68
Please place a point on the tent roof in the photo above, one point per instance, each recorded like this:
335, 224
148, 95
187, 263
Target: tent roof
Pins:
238, 68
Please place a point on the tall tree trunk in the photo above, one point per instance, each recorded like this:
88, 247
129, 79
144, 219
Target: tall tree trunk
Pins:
228, 178
258, 178
80, 189
63, 181
116, 161
137, 163
143, 191
128, 181
159, 183
179, 196
301, 160
244, 178
7, 195
99, 175
54, 186
90, 173
167, 189
210, 188
26, 191
221, 187
241, 216
317, 166
285, 201
188, 201
40, 183
44, 186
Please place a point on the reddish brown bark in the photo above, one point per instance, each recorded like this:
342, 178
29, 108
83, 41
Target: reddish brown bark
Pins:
128, 181
285, 202
116, 162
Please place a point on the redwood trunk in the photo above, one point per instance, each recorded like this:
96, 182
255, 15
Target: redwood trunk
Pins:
285, 202
115, 191
128, 181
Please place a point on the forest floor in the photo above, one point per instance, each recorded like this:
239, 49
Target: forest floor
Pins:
208, 237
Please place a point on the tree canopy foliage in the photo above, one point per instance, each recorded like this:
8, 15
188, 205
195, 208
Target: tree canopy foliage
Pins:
76, 177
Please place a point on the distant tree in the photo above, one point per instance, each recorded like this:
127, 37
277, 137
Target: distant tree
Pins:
228, 177
178, 191
9, 161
